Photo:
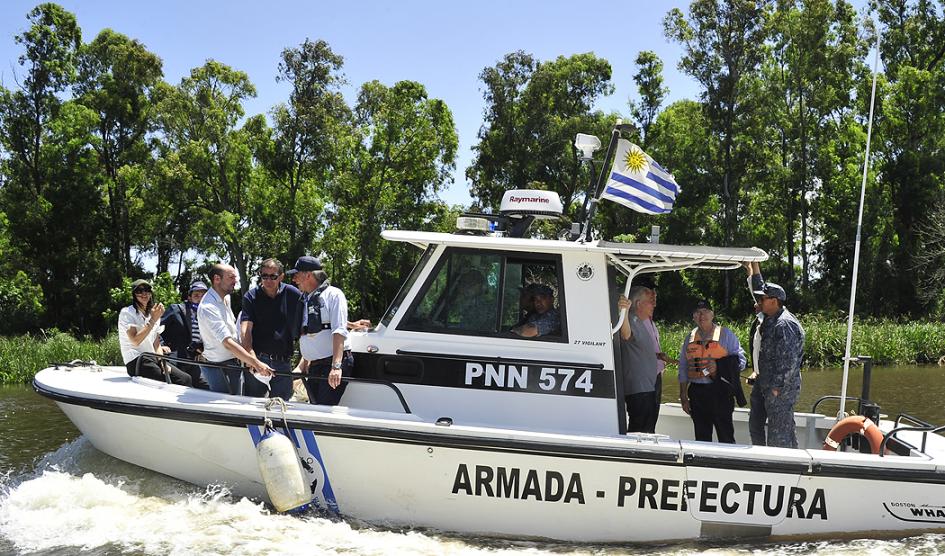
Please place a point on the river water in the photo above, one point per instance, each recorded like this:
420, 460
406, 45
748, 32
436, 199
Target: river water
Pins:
61, 496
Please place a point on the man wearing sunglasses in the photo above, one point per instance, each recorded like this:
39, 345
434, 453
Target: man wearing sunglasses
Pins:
270, 311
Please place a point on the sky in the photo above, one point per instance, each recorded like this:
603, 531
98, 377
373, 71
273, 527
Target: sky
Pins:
443, 45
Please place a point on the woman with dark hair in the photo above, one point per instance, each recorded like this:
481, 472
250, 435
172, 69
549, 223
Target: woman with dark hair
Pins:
139, 326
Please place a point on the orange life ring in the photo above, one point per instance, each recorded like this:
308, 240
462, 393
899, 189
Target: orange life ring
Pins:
856, 424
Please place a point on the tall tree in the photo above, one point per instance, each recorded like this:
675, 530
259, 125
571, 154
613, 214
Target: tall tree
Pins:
49, 192
116, 78
723, 46
533, 111
311, 135
199, 120
810, 75
404, 153
649, 80
912, 131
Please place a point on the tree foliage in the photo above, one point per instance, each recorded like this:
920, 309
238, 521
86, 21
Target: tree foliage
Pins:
105, 166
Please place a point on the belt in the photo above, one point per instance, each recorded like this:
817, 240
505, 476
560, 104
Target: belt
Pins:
328, 359
283, 358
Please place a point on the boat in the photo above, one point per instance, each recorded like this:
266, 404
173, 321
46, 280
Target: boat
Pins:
454, 423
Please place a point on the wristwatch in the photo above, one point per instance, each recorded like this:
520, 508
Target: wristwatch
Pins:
335, 365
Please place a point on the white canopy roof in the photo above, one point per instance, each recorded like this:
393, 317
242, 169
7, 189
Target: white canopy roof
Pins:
655, 256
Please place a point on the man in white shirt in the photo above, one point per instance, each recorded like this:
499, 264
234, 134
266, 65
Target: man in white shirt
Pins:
219, 334
326, 354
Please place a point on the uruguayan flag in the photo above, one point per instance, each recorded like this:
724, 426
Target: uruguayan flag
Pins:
638, 182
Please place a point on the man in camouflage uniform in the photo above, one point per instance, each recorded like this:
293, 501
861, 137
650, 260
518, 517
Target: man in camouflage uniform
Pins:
779, 378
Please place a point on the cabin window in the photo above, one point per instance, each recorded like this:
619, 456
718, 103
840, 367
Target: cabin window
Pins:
408, 285
490, 294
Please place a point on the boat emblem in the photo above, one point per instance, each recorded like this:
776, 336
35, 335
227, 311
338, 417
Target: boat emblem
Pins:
585, 272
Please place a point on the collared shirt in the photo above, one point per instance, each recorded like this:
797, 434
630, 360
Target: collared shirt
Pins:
194, 327
548, 323
655, 336
727, 339
217, 323
333, 308
127, 318
274, 318
638, 358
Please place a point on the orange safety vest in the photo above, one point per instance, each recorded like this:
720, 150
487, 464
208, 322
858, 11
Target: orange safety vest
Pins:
700, 352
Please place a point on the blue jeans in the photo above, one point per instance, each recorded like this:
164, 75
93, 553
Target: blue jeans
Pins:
279, 386
229, 381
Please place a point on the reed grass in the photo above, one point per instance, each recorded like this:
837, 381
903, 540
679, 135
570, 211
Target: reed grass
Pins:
889, 343
22, 356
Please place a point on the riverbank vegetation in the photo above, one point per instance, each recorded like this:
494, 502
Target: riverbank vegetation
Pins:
887, 342
103, 163
22, 356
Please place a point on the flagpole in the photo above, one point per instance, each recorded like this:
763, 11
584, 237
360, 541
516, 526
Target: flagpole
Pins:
590, 203
859, 229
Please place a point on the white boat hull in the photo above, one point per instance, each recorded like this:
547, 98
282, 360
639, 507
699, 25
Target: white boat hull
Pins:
389, 469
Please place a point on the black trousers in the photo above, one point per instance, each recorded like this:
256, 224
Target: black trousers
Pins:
151, 369
642, 412
711, 406
658, 394
319, 391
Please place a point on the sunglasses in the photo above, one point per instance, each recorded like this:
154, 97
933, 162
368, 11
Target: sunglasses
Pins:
142, 290
269, 276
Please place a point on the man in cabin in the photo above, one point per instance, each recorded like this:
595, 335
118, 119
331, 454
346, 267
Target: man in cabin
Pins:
271, 312
544, 320
638, 359
779, 360
707, 394
219, 334
326, 354
182, 334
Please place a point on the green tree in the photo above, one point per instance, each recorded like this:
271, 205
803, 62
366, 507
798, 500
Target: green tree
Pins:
649, 80
533, 112
116, 78
49, 192
211, 159
311, 135
722, 44
911, 133
403, 156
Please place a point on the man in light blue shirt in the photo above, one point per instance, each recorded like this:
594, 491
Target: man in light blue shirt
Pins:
326, 354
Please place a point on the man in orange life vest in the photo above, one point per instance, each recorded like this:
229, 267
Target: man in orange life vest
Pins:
704, 394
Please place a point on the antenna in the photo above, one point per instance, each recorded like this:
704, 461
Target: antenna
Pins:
859, 230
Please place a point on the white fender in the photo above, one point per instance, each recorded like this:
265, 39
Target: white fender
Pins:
281, 472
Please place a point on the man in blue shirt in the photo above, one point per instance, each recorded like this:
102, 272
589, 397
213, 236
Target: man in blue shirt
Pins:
544, 320
268, 327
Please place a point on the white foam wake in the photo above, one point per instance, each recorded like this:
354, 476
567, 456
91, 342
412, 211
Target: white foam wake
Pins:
123, 508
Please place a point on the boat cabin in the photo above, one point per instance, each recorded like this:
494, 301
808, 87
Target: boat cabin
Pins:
452, 340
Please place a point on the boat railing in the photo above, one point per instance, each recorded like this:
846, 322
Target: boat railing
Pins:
918, 425
813, 408
167, 376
